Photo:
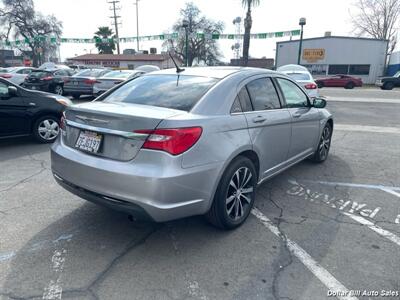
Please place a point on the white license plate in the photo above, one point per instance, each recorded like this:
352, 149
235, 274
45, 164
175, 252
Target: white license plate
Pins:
75, 82
89, 141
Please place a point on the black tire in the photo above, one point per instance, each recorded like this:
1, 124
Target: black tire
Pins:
59, 90
75, 96
40, 129
232, 214
349, 85
324, 145
320, 85
388, 86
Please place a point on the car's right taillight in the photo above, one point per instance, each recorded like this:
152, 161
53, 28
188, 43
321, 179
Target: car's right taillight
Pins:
172, 140
310, 86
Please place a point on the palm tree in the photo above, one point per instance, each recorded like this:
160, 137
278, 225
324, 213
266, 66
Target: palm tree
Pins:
104, 32
248, 22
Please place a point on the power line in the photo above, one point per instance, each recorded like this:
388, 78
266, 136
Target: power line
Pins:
114, 8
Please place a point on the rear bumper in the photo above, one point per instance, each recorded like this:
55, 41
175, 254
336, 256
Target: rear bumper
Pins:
78, 90
159, 190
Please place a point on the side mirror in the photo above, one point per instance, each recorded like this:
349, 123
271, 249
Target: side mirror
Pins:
319, 103
12, 91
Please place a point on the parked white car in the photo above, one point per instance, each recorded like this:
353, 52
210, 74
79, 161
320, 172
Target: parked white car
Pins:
113, 78
303, 77
17, 75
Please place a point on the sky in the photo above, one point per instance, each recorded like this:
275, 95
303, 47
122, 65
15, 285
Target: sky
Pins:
81, 18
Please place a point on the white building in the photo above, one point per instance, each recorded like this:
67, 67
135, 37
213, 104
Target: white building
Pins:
330, 55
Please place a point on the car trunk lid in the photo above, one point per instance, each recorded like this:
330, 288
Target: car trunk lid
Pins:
114, 125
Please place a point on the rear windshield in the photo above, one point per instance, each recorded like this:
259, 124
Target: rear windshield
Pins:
119, 74
299, 76
170, 91
90, 73
40, 74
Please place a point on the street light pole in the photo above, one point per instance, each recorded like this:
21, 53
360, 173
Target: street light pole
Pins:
137, 24
185, 25
302, 22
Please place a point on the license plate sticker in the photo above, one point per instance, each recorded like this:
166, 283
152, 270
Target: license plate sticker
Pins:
89, 141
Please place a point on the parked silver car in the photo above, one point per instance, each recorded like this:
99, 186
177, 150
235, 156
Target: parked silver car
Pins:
82, 82
113, 78
16, 75
174, 144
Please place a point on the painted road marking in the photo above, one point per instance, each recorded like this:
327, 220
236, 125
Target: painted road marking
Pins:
322, 274
365, 100
356, 185
367, 128
54, 289
340, 204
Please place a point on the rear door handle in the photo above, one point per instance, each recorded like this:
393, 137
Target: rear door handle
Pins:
259, 119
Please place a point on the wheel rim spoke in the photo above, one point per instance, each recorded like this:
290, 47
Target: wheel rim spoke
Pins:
230, 199
246, 198
247, 190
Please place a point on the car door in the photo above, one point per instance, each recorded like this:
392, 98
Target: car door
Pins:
269, 124
13, 114
305, 119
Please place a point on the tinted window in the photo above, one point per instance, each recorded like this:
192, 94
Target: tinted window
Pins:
91, 73
236, 107
293, 94
263, 94
359, 69
299, 76
3, 90
245, 100
61, 73
171, 91
338, 69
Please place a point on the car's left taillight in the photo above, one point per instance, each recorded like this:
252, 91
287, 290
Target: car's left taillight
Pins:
310, 86
172, 140
7, 76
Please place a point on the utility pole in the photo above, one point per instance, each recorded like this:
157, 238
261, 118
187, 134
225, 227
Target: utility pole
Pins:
137, 24
114, 8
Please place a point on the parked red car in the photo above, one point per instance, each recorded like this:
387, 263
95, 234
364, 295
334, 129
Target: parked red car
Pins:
346, 81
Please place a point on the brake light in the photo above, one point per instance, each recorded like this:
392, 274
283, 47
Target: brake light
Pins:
47, 78
174, 141
63, 122
90, 81
310, 86
6, 75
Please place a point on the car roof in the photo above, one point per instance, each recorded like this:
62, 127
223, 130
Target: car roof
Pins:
212, 72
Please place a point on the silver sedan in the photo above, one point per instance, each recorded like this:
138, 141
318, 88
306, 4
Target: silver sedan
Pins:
177, 143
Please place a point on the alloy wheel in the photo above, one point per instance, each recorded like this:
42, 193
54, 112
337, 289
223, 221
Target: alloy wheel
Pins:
48, 129
58, 90
325, 143
239, 194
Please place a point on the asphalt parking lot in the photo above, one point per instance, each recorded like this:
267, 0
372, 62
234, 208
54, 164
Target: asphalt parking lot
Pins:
318, 231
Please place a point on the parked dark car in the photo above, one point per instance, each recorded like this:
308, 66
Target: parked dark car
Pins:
389, 82
346, 81
51, 81
24, 112
82, 82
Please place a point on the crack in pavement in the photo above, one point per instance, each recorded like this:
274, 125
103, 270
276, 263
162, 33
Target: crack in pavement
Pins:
283, 240
89, 289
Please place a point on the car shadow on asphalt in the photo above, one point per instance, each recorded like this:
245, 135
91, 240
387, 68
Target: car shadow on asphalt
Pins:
14, 148
89, 241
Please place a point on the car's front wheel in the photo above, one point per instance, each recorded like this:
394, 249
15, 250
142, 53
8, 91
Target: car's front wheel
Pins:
349, 86
235, 194
321, 154
46, 129
388, 86
320, 84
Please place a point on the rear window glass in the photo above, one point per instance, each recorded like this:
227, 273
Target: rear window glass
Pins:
299, 76
119, 74
91, 73
40, 74
170, 91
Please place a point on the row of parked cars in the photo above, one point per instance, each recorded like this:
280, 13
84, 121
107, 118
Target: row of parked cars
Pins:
62, 80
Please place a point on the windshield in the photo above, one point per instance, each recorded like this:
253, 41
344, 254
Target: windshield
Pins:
299, 76
90, 73
170, 91
119, 74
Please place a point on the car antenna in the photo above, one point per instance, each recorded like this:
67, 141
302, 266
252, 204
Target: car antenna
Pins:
178, 70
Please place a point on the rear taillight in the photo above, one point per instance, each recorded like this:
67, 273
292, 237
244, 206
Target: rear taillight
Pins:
310, 86
6, 75
63, 123
174, 141
47, 78
90, 81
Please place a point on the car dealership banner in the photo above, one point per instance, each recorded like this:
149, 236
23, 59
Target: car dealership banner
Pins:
169, 36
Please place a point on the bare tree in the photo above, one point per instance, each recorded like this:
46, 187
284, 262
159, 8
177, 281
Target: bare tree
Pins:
378, 19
